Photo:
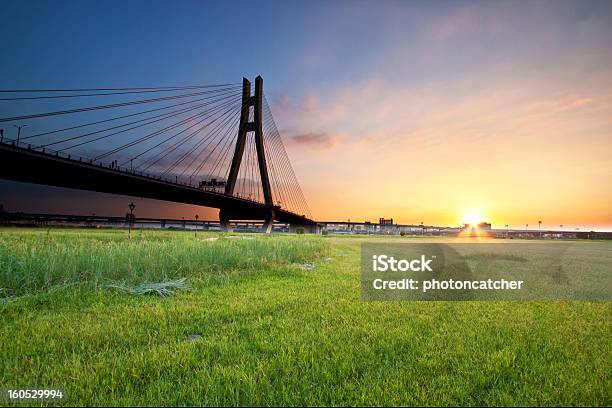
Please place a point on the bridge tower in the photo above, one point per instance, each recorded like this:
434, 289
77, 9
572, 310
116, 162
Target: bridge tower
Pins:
245, 127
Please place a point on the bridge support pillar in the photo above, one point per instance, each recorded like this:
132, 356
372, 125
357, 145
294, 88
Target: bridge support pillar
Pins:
226, 216
226, 225
268, 223
245, 127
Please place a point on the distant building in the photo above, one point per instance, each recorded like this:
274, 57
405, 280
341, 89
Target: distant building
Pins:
483, 226
478, 230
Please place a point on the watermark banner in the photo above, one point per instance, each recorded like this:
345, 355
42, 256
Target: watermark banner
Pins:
487, 271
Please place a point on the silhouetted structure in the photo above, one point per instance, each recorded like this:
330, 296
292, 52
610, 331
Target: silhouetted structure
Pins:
259, 163
256, 127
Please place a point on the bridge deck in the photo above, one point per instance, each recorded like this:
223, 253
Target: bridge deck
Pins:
29, 165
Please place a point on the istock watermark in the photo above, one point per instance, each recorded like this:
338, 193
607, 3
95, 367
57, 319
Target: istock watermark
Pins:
383, 263
482, 271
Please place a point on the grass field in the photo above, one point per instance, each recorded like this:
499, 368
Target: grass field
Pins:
274, 321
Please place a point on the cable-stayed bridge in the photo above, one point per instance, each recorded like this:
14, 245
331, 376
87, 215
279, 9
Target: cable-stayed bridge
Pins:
211, 145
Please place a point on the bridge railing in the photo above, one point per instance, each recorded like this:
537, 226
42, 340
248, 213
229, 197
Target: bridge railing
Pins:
110, 166
86, 160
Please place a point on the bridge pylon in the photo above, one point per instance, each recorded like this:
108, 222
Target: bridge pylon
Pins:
246, 126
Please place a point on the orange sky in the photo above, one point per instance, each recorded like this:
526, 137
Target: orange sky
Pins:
511, 154
522, 138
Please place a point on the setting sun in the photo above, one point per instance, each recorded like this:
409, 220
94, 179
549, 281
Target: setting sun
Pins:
473, 219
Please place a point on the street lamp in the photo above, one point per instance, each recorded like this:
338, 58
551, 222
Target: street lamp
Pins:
540, 229
131, 206
19, 131
196, 226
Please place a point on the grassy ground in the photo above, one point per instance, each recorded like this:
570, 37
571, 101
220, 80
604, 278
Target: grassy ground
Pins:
260, 326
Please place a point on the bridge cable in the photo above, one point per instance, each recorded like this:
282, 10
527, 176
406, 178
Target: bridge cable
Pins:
226, 147
110, 106
224, 115
123, 116
146, 137
212, 135
151, 120
99, 94
303, 205
209, 115
223, 133
301, 195
280, 189
290, 200
118, 89
174, 146
157, 133
164, 141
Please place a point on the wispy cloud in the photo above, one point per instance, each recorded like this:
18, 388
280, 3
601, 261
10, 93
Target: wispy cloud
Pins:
313, 139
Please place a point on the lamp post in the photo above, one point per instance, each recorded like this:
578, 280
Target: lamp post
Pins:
539, 229
131, 206
196, 226
19, 131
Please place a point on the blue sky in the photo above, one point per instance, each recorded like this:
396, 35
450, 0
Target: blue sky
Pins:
295, 45
417, 81
169, 43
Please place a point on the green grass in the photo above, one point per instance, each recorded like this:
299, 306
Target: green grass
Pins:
273, 332
36, 260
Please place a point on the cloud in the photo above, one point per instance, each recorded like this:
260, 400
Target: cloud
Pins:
280, 102
314, 139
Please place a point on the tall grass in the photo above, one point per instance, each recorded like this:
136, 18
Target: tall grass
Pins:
37, 260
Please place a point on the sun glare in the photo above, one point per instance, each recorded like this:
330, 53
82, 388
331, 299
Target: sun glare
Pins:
472, 219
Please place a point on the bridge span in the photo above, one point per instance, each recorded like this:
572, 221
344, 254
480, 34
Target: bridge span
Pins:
24, 164
179, 152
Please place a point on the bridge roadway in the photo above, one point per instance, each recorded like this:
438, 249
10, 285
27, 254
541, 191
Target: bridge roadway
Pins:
26, 164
